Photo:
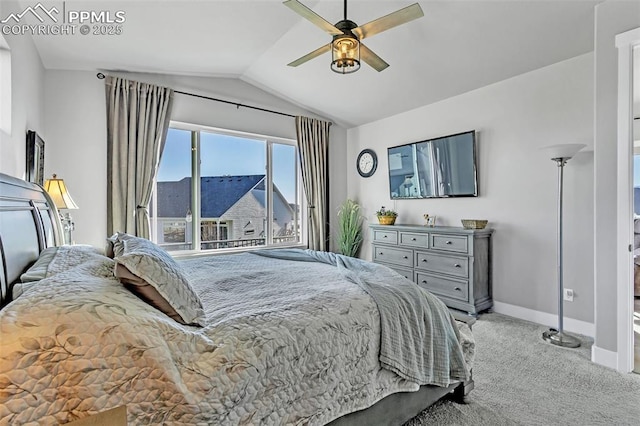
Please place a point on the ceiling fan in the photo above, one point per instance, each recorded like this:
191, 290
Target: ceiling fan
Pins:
346, 46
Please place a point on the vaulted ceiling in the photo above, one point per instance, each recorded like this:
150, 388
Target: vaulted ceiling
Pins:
456, 47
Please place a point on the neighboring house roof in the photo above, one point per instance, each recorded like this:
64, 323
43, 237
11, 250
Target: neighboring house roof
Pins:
217, 194
173, 198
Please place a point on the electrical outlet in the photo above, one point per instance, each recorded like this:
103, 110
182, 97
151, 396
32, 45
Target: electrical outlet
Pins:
568, 295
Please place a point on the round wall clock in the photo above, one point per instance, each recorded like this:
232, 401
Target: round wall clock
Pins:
367, 163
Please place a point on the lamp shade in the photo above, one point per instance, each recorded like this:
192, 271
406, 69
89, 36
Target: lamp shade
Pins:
58, 192
565, 151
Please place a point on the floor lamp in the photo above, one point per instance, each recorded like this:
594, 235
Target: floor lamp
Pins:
561, 154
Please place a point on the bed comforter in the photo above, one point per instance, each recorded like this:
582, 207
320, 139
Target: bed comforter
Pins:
286, 342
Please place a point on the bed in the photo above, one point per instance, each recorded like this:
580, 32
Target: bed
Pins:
283, 337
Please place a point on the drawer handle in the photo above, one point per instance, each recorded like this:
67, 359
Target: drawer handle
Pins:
448, 242
457, 289
457, 265
405, 257
413, 239
384, 236
424, 282
424, 260
381, 253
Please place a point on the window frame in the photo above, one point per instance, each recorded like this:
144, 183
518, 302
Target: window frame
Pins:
5, 86
300, 214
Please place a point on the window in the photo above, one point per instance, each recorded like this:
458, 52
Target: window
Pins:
174, 232
219, 189
5, 86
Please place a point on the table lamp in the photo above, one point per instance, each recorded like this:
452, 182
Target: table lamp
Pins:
58, 192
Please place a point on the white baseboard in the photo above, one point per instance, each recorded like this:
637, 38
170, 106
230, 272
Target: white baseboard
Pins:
604, 357
544, 318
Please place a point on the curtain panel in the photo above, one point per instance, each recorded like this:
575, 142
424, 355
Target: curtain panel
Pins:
313, 148
138, 117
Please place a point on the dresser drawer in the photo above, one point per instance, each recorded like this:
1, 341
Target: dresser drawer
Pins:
452, 265
443, 286
407, 273
396, 256
389, 237
414, 240
455, 243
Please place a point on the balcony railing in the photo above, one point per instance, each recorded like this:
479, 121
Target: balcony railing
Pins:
223, 244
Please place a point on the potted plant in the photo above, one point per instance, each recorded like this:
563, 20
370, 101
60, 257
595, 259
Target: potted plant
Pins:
350, 233
386, 216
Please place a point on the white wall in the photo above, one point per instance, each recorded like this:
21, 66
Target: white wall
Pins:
77, 147
76, 122
517, 182
27, 92
612, 18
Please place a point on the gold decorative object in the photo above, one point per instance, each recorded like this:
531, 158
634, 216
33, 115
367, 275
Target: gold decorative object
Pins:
387, 220
474, 223
386, 216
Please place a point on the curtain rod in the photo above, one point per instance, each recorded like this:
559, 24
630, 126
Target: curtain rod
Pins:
101, 76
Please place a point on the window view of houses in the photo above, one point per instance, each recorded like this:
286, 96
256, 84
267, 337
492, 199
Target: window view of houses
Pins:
235, 210
232, 214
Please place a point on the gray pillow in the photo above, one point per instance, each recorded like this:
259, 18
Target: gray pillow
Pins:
113, 248
52, 261
62, 258
146, 292
38, 271
155, 267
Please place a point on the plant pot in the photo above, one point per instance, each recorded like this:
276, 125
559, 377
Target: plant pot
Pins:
387, 220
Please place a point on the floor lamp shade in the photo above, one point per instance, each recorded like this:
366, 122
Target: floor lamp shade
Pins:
561, 154
565, 151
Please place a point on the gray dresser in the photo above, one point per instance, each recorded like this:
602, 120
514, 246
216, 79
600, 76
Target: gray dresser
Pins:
452, 263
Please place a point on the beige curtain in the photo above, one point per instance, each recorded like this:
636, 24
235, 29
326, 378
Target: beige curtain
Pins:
313, 147
137, 120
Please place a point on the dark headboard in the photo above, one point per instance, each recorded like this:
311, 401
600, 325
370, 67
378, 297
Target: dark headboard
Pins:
29, 223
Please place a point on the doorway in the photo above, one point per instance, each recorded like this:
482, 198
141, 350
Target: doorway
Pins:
628, 44
636, 208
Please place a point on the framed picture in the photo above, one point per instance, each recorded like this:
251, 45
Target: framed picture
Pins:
431, 221
35, 158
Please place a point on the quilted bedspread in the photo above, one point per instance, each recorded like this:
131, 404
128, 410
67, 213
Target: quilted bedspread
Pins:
285, 342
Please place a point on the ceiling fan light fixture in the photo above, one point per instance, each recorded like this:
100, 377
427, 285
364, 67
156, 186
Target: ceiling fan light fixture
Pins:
345, 54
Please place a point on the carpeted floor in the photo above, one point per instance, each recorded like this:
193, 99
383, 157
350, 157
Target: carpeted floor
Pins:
522, 380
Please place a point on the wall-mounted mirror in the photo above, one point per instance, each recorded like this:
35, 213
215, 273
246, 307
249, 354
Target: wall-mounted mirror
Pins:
434, 168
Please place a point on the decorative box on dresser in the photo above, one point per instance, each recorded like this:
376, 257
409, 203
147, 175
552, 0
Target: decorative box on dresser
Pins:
452, 263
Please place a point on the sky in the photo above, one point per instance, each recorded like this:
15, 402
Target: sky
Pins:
227, 155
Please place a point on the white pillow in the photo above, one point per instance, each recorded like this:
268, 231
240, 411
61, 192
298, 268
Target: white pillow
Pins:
155, 267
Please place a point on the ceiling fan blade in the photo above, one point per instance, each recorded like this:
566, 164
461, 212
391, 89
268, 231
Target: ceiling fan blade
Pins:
311, 16
391, 20
319, 51
375, 61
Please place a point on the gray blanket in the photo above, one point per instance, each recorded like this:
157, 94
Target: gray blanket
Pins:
285, 342
419, 339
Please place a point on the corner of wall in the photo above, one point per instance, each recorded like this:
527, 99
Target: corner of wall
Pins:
604, 357
27, 100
